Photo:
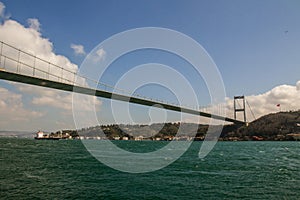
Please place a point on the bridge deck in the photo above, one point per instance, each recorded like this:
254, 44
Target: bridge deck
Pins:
5, 75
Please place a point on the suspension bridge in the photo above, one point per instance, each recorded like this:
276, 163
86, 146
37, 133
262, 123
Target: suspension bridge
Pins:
20, 66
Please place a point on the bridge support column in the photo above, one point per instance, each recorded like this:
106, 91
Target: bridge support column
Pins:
239, 108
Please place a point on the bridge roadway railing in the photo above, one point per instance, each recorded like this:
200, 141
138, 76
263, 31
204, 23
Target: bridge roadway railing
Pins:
21, 62
18, 61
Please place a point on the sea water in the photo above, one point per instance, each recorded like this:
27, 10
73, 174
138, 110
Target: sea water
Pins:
32, 169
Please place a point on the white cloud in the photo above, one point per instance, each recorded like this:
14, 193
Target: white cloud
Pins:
12, 110
57, 99
34, 24
78, 49
54, 102
100, 55
47, 97
31, 40
64, 101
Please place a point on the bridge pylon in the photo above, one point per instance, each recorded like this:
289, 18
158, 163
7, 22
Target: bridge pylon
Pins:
239, 108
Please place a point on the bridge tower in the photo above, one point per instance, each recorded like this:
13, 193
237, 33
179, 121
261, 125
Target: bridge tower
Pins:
239, 108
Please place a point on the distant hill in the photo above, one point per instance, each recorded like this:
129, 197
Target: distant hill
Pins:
22, 134
275, 126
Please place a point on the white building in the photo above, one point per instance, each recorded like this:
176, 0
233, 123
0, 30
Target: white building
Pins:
40, 134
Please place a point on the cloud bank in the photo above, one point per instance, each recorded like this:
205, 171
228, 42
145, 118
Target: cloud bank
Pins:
280, 98
30, 39
12, 109
287, 96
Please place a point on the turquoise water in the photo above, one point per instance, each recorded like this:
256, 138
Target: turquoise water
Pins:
63, 169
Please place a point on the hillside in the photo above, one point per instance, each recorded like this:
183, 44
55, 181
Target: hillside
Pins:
275, 126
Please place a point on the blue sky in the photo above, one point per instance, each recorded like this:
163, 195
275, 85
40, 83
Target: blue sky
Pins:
246, 39
254, 43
